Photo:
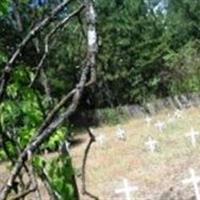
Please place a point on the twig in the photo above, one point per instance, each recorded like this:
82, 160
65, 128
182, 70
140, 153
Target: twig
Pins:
30, 190
47, 184
17, 15
23, 194
49, 36
86, 153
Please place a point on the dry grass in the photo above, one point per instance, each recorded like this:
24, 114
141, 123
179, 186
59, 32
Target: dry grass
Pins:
152, 173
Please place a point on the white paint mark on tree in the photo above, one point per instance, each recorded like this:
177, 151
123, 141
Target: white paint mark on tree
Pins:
92, 13
92, 37
126, 190
194, 180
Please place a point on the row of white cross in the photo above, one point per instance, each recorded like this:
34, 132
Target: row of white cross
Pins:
127, 189
178, 114
151, 143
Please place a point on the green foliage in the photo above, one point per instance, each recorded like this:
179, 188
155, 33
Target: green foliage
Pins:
60, 173
58, 137
22, 113
4, 6
112, 115
3, 58
185, 68
135, 42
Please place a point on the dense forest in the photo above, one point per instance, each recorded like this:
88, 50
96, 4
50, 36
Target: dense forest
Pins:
147, 49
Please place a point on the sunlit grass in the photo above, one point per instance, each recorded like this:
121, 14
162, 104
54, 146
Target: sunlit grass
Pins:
152, 172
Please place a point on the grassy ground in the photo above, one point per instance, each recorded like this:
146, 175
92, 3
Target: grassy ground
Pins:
155, 174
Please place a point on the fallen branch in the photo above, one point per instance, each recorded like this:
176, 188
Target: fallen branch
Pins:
86, 153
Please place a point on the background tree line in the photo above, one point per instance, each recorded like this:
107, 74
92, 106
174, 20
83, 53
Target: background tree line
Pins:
148, 49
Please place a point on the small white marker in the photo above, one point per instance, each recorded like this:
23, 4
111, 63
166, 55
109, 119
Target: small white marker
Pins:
171, 119
151, 143
178, 114
194, 180
160, 126
192, 134
101, 139
121, 133
127, 190
148, 120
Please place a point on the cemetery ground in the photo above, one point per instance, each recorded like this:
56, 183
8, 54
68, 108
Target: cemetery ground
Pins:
158, 175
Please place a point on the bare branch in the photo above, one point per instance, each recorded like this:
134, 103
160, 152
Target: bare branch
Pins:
86, 153
17, 15
33, 182
23, 194
49, 36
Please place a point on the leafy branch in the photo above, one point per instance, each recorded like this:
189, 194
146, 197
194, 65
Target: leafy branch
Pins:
53, 121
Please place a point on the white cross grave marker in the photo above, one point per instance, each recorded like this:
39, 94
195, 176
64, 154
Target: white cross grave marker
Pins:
171, 118
148, 120
192, 134
127, 190
101, 139
178, 114
160, 126
151, 143
194, 180
121, 134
